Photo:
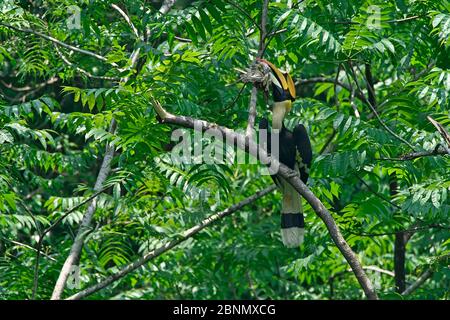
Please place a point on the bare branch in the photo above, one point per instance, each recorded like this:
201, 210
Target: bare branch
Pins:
103, 173
289, 175
424, 277
127, 19
20, 244
166, 6
170, 245
444, 134
77, 245
261, 49
29, 88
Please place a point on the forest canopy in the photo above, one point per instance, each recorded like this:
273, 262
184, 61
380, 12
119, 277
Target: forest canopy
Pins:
98, 100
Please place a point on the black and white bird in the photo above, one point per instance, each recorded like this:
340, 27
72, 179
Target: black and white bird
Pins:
294, 151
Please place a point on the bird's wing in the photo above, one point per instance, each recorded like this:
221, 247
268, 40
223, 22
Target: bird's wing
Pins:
304, 151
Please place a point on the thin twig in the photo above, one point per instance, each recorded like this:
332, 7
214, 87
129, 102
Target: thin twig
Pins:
80, 70
58, 42
438, 151
379, 195
375, 111
244, 12
26, 246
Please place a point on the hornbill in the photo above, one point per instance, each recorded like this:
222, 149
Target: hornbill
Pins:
294, 151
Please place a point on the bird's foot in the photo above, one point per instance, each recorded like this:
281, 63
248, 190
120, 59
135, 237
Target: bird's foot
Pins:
293, 175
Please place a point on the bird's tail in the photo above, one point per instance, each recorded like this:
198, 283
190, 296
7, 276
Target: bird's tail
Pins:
292, 220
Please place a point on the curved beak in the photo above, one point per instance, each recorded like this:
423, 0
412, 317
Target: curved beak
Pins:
280, 79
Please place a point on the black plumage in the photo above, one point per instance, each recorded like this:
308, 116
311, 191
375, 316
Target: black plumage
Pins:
294, 148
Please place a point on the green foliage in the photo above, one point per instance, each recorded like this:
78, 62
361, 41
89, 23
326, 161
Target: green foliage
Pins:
56, 107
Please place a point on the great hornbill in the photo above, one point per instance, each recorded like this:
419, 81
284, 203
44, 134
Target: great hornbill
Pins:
294, 151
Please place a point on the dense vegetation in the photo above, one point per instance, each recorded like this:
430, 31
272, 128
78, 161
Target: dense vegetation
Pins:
78, 84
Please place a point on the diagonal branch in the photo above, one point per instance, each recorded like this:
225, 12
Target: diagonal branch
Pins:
170, 245
233, 138
424, 277
75, 251
444, 134
50, 228
127, 19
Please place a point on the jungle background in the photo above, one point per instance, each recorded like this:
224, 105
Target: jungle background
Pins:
79, 137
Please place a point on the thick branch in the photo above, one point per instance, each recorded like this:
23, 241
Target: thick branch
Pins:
166, 6
170, 245
289, 175
77, 245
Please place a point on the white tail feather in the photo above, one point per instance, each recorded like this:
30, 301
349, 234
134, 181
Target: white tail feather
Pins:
292, 237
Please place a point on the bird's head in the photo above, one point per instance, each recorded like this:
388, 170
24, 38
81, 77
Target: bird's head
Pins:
282, 83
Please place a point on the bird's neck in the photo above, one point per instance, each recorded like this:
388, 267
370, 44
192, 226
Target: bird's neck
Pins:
280, 109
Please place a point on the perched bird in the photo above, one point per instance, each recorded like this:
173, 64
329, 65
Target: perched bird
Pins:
294, 151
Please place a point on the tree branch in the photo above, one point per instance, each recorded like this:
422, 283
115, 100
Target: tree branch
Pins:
50, 228
261, 49
375, 111
289, 175
77, 245
170, 245
439, 150
58, 42
103, 173
424, 277
166, 6
127, 19
82, 71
